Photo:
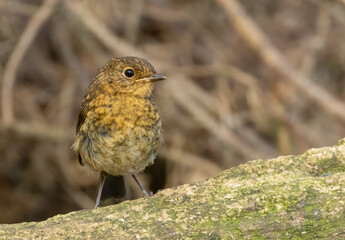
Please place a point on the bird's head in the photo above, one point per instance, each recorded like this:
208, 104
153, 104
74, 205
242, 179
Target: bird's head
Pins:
130, 75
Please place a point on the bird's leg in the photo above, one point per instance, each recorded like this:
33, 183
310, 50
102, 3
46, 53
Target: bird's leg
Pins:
141, 186
100, 188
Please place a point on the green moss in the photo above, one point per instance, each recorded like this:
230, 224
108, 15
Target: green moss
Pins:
329, 165
341, 142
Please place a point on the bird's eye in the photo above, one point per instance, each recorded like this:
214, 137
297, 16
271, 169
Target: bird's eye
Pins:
129, 73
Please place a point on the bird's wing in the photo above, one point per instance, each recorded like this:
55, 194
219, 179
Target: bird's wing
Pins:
81, 119
82, 116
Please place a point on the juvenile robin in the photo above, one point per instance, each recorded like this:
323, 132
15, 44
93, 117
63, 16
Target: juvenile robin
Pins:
119, 129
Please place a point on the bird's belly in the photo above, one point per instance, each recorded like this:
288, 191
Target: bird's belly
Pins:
122, 152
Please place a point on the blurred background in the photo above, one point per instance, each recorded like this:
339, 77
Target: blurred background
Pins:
246, 80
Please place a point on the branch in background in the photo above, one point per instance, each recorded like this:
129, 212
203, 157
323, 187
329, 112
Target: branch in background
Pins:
17, 55
183, 158
18, 8
274, 59
39, 131
208, 121
101, 31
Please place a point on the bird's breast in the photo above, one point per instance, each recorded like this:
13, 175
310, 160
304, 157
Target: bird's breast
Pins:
126, 112
124, 138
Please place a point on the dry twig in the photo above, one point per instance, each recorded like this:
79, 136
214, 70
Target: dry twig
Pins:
39, 131
206, 120
276, 60
101, 31
17, 55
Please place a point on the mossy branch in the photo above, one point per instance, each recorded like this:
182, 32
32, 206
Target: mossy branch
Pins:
282, 198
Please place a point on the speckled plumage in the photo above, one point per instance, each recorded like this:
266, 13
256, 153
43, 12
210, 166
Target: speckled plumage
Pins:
119, 129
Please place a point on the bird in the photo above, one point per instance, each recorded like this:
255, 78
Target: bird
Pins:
119, 129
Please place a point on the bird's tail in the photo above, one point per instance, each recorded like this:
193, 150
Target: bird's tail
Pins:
115, 190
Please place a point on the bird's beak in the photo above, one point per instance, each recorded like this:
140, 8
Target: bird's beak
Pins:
153, 78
